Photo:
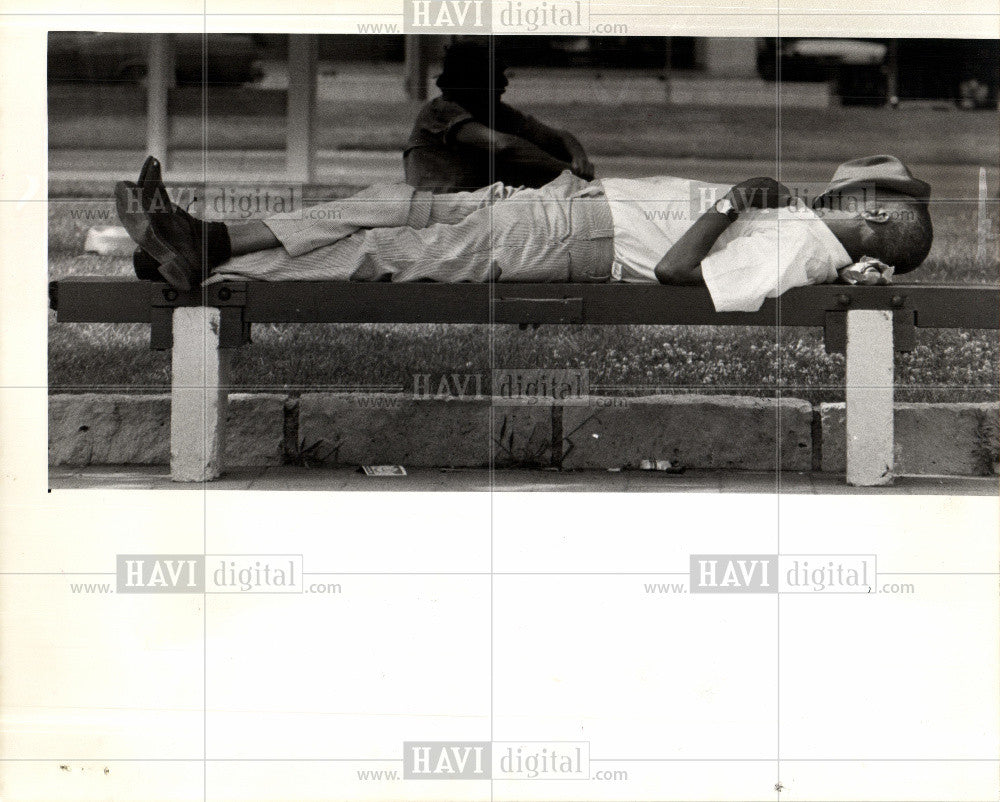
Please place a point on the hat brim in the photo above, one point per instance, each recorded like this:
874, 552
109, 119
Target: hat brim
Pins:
919, 190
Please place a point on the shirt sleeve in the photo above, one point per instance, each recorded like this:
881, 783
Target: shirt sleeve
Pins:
441, 119
744, 272
511, 121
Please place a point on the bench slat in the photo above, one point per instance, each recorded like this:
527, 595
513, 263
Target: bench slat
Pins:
85, 300
115, 300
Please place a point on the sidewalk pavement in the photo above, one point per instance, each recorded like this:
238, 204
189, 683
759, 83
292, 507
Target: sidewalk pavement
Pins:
157, 477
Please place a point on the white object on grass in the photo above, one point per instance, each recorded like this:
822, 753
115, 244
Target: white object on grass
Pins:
109, 241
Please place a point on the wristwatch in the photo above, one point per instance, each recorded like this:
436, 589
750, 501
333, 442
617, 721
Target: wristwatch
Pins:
725, 206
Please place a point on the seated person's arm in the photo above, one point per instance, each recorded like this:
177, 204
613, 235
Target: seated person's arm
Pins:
511, 150
682, 263
561, 144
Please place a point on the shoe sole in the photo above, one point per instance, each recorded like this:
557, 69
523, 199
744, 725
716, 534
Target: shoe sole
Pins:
150, 181
128, 205
149, 174
129, 201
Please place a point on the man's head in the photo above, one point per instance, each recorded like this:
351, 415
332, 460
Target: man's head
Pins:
892, 227
472, 74
877, 208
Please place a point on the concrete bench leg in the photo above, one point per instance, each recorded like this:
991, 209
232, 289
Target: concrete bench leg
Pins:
199, 395
869, 397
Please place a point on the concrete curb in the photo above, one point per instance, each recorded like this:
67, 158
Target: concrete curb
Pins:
99, 429
710, 432
958, 439
698, 431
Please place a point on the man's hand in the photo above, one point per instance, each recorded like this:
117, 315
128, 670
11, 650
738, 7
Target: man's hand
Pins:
581, 166
758, 193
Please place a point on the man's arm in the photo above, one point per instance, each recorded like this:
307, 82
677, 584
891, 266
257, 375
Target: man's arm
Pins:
682, 263
557, 142
511, 150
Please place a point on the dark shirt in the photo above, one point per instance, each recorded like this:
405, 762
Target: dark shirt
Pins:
435, 161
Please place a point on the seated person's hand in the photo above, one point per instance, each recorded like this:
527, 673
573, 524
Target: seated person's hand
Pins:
582, 167
758, 193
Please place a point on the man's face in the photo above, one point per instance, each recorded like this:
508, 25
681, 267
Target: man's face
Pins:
499, 83
843, 216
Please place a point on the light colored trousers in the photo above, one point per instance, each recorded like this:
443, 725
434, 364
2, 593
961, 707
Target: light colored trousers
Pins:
560, 232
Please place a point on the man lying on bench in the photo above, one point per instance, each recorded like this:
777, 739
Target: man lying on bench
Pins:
753, 242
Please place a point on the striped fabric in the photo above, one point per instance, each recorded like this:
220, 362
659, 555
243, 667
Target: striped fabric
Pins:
561, 232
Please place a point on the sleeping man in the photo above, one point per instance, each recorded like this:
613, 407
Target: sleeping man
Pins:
745, 242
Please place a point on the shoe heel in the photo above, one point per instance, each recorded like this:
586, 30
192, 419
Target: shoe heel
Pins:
175, 274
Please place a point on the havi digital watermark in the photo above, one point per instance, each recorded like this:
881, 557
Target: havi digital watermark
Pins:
782, 573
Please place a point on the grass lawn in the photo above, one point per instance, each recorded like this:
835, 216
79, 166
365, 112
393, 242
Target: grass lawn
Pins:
630, 360
915, 134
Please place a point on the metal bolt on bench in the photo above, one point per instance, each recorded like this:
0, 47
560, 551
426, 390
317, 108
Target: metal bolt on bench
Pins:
202, 328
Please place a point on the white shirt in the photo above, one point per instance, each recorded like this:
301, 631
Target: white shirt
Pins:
762, 254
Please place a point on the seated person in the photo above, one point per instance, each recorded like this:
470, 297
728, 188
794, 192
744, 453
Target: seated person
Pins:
746, 242
467, 131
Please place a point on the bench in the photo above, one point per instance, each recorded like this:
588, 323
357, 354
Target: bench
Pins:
202, 327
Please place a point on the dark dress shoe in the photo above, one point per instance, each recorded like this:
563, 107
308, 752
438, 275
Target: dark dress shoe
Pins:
145, 266
171, 239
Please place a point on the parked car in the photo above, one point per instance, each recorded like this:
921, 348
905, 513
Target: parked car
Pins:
815, 59
228, 58
959, 70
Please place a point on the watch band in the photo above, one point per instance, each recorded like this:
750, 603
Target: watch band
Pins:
726, 207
